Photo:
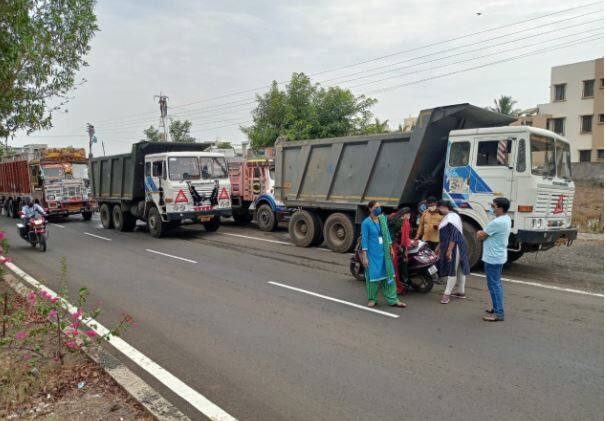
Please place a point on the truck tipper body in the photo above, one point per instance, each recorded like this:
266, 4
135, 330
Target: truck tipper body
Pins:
463, 153
163, 184
56, 177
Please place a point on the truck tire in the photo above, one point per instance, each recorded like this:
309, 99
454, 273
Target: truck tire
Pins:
212, 225
512, 256
123, 221
266, 218
156, 227
87, 215
106, 216
242, 218
474, 247
305, 228
339, 232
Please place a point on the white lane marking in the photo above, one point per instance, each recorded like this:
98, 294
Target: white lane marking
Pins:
194, 398
97, 236
336, 300
170, 255
552, 287
257, 238
57, 225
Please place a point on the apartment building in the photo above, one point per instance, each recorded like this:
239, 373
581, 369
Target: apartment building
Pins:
576, 108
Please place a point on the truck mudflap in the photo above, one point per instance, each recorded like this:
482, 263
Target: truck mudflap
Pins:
178, 216
546, 237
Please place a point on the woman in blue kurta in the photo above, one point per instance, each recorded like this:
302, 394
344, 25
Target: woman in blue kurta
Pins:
376, 258
453, 264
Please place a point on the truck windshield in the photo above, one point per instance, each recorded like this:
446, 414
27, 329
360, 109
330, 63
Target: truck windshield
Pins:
79, 171
563, 160
213, 167
542, 154
183, 168
52, 172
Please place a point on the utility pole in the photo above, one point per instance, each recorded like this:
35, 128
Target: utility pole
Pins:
91, 138
163, 101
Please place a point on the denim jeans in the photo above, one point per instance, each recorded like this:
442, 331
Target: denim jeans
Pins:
495, 287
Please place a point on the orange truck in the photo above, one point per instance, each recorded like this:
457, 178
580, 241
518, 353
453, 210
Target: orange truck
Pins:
57, 177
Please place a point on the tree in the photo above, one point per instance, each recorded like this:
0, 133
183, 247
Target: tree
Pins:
306, 111
504, 105
376, 127
224, 145
42, 44
179, 131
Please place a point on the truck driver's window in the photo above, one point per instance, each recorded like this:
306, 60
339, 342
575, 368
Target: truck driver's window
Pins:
459, 154
148, 169
494, 153
157, 169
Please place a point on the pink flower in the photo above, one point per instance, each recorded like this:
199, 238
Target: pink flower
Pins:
77, 314
4, 260
21, 335
90, 333
31, 297
52, 314
44, 294
54, 300
75, 325
71, 344
2, 235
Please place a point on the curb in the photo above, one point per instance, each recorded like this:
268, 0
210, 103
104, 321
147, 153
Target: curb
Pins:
135, 386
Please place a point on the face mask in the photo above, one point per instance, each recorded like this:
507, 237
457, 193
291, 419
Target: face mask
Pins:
432, 208
376, 211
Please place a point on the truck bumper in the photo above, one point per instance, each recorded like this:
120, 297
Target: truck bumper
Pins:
226, 213
546, 237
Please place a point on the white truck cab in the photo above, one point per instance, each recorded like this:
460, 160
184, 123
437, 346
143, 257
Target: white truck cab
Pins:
529, 166
188, 185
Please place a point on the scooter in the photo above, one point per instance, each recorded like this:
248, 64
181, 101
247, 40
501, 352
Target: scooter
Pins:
36, 235
422, 270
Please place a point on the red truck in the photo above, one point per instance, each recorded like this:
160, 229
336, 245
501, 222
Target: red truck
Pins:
252, 193
58, 178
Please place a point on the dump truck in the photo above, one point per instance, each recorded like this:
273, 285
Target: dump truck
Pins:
252, 194
163, 184
56, 177
462, 153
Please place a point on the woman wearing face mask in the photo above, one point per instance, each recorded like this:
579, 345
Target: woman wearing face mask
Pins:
429, 223
453, 263
376, 258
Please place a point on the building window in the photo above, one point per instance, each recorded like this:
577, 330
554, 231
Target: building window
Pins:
556, 125
586, 123
600, 153
588, 88
585, 155
559, 92
601, 118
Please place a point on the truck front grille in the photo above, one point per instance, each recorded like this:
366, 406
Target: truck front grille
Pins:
548, 201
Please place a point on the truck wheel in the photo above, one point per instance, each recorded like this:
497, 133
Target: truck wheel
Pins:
512, 256
474, 247
156, 227
106, 216
305, 228
339, 232
266, 218
123, 221
87, 215
242, 218
213, 224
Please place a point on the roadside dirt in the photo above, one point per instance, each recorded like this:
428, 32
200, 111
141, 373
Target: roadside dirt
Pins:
78, 390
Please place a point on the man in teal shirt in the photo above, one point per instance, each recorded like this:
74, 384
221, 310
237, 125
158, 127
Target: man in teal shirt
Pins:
494, 255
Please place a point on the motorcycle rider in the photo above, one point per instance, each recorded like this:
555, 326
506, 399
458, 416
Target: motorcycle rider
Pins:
30, 210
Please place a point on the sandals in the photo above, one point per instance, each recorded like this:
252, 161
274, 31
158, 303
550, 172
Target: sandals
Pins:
371, 304
490, 311
493, 318
399, 304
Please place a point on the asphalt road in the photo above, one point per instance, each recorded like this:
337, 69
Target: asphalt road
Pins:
264, 352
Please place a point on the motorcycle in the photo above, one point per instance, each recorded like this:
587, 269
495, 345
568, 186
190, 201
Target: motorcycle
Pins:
422, 270
34, 232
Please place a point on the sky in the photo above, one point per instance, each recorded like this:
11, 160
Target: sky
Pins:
211, 58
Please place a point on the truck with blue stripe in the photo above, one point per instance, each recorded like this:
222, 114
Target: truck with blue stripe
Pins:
162, 184
462, 153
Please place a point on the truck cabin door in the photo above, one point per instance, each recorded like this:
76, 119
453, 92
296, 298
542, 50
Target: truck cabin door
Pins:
155, 176
494, 166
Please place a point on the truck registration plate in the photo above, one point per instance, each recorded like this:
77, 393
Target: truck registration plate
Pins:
205, 218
